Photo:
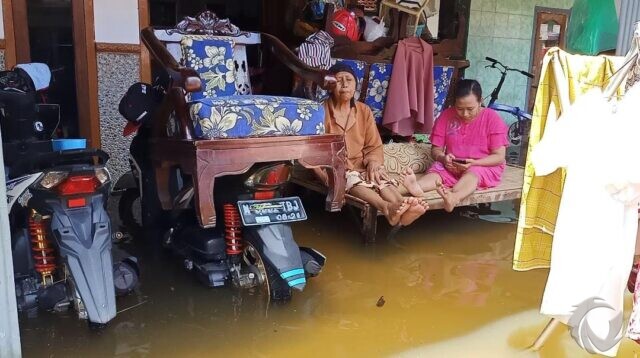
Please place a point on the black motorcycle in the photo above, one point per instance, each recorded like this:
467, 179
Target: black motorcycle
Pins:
253, 247
60, 230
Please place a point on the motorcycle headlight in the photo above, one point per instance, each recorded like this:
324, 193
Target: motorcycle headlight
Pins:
51, 179
103, 175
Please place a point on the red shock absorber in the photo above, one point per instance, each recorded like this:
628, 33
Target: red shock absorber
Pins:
43, 253
232, 229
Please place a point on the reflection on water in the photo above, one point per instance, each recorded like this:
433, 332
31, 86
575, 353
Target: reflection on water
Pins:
447, 284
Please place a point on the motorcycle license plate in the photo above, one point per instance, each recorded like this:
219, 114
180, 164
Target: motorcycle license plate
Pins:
273, 211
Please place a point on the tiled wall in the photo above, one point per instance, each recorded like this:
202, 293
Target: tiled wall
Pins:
502, 29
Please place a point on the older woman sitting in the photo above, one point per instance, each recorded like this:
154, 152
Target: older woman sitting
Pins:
366, 176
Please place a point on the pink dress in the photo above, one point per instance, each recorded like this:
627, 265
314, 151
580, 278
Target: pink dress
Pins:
474, 140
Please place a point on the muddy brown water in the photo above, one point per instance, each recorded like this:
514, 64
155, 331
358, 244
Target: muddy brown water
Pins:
447, 283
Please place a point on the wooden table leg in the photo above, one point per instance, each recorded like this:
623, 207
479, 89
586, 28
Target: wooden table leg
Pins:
369, 224
337, 180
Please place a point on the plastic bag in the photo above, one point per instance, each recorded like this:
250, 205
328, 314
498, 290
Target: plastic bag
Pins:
593, 27
373, 29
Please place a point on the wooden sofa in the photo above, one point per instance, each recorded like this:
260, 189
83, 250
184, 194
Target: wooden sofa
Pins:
418, 156
175, 141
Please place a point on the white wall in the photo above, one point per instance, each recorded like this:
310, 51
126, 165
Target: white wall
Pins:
116, 21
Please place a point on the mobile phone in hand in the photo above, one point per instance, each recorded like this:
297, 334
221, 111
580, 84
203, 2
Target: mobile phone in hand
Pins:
461, 161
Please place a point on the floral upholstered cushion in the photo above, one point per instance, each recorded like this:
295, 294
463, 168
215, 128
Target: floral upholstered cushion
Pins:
376, 95
398, 156
255, 116
380, 76
212, 58
441, 81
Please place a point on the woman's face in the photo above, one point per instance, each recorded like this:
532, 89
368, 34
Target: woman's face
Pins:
345, 87
467, 107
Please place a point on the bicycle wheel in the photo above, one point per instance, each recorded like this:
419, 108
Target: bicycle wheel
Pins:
514, 133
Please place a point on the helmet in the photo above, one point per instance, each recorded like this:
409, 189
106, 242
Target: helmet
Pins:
344, 23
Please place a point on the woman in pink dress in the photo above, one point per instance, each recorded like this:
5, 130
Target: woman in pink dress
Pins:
468, 145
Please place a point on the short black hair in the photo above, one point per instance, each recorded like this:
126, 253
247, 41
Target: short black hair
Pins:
467, 87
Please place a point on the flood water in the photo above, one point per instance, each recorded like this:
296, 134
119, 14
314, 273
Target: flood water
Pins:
447, 284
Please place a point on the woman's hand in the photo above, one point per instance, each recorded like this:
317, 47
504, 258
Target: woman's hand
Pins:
376, 173
447, 159
447, 162
462, 167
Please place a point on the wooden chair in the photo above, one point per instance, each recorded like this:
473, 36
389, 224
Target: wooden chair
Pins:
176, 141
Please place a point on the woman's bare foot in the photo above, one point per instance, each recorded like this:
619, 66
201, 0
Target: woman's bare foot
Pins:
410, 182
417, 209
449, 201
395, 211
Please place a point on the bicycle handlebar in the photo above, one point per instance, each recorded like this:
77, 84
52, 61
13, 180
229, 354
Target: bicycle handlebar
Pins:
507, 68
527, 74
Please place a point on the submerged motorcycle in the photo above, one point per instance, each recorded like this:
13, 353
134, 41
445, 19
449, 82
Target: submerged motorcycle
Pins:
253, 247
60, 229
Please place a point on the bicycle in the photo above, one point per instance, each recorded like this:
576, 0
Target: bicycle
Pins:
523, 119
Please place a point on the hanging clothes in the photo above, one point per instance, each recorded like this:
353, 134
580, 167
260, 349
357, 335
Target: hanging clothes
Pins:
595, 233
541, 194
315, 51
410, 101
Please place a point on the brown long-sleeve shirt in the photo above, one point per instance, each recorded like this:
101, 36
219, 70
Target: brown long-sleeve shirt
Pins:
361, 135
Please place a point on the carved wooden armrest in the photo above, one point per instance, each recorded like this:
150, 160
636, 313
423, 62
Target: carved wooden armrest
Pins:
183, 77
287, 57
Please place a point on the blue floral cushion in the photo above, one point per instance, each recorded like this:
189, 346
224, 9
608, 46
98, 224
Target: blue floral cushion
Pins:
256, 116
441, 82
376, 95
212, 58
380, 76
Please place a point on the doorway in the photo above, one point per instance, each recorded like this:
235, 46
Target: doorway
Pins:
59, 33
50, 28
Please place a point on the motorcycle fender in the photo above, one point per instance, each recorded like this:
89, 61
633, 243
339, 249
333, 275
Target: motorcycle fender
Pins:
278, 248
84, 239
17, 186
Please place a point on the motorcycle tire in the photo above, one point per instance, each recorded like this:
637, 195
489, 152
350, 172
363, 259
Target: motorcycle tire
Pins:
126, 210
125, 278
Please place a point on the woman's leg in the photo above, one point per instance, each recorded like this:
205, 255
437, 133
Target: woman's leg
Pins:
391, 210
463, 188
417, 187
391, 194
430, 182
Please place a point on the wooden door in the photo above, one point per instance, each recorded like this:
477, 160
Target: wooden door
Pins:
549, 30
83, 75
